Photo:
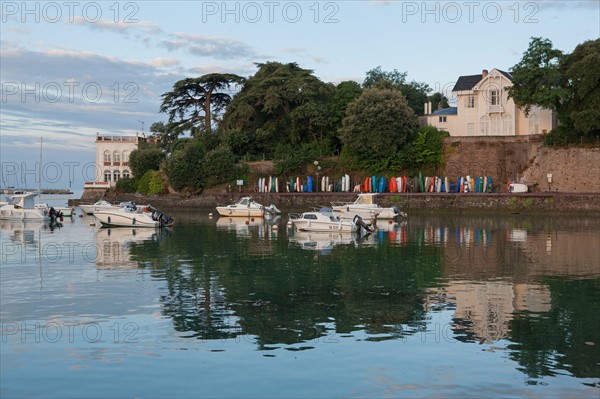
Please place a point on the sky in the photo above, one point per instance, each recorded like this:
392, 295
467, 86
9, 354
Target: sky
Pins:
72, 69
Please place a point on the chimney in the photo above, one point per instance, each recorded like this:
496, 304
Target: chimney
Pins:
439, 105
425, 109
484, 73
429, 107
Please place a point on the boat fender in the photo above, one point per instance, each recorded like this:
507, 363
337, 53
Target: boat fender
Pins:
108, 220
133, 221
229, 211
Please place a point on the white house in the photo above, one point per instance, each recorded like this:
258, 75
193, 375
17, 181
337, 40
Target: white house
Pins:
112, 158
484, 109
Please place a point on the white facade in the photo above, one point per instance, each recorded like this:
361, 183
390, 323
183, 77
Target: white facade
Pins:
112, 158
484, 109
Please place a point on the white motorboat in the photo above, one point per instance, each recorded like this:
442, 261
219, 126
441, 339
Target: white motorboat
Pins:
22, 207
98, 206
366, 207
324, 220
133, 216
247, 207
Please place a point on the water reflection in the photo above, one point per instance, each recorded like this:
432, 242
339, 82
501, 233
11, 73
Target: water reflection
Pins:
499, 279
113, 245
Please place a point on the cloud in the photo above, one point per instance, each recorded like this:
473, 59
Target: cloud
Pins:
207, 46
318, 59
78, 92
164, 62
123, 28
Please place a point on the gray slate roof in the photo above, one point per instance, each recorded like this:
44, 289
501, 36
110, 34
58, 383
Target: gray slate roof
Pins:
467, 82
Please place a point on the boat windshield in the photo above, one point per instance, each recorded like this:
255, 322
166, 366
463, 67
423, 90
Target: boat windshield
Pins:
365, 200
244, 201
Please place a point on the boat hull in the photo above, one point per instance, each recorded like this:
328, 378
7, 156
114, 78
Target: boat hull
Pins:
9, 212
322, 227
232, 211
125, 219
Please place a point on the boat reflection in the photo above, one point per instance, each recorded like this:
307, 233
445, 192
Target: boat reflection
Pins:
323, 242
245, 227
22, 232
113, 245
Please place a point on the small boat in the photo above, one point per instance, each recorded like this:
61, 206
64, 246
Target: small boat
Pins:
22, 207
133, 216
324, 220
366, 207
99, 205
514, 187
247, 207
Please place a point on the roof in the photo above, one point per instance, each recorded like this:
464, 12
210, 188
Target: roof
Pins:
467, 82
446, 111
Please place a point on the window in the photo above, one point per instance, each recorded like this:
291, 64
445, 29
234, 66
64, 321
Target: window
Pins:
484, 125
107, 175
534, 124
495, 97
507, 124
126, 174
442, 119
496, 123
116, 175
125, 156
107, 156
470, 102
116, 156
310, 217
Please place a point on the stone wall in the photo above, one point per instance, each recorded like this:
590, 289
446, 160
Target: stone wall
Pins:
574, 170
524, 159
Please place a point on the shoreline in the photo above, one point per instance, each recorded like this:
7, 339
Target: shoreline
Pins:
588, 203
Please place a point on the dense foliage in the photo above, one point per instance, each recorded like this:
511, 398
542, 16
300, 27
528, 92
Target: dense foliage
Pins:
377, 124
144, 159
568, 84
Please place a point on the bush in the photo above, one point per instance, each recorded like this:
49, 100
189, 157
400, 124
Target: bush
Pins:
128, 185
184, 168
218, 166
291, 159
143, 160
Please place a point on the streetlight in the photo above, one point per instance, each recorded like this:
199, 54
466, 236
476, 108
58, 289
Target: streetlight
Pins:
317, 169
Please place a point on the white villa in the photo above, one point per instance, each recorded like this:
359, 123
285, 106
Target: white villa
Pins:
484, 109
112, 159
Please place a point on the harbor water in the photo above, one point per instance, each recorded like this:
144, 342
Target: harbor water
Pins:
471, 305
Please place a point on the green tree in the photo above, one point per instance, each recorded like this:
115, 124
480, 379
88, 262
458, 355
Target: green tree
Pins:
184, 168
438, 99
194, 101
537, 77
580, 72
263, 108
165, 134
414, 92
218, 166
377, 124
145, 159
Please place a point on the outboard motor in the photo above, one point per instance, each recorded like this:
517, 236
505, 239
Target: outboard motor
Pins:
165, 220
359, 222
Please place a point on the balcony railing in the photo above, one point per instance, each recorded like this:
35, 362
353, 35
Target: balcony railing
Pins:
495, 109
96, 184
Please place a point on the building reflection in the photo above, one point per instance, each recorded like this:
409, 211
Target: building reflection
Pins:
113, 246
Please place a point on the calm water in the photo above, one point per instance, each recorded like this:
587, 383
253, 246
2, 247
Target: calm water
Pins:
463, 306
